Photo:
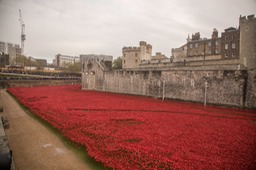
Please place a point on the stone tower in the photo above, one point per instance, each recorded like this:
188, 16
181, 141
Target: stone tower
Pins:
132, 56
214, 33
145, 51
248, 41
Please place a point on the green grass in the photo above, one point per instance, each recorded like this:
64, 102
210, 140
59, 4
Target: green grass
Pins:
77, 149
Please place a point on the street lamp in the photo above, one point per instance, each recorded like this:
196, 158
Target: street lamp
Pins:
205, 92
204, 53
163, 90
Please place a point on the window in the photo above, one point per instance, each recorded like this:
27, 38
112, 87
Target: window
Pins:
196, 52
226, 46
233, 45
136, 54
124, 61
191, 45
196, 45
233, 54
210, 51
209, 43
136, 60
124, 54
226, 55
216, 51
233, 37
226, 38
217, 42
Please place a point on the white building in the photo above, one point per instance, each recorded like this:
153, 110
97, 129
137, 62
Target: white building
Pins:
64, 61
13, 50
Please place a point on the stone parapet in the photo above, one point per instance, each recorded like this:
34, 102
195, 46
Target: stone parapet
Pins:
131, 49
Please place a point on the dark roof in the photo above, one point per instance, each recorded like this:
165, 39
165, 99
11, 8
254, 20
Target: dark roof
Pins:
230, 29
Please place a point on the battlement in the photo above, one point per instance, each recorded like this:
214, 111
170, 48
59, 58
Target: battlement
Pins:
143, 43
196, 36
131, 49
247, 18
149, 46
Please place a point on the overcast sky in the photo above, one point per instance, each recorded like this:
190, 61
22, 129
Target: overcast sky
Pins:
74, 27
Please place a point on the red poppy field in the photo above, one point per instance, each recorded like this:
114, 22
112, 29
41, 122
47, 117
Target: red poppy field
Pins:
134, 132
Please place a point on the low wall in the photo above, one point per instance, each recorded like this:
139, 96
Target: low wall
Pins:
30, 83
223, 87
191, 61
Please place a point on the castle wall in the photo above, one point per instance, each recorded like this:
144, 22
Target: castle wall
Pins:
212, 60
223, 86
251, 89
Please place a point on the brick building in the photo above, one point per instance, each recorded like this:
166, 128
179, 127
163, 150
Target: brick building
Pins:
198, 46
236, 46
230, 43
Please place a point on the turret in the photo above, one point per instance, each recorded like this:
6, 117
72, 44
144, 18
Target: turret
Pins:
145, 51
214, 33
248, 41
188, 39
196, 36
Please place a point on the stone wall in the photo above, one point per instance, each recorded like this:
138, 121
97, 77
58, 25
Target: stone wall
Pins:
31, 83
231, 87
191, 61
7, 161
251, 89
221, 87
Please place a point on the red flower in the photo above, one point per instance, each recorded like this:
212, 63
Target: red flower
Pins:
131, 132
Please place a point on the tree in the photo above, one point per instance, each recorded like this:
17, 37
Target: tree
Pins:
21, 60
117, 63
76, 67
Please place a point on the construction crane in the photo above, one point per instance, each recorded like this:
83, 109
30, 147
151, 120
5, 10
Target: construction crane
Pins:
23, 36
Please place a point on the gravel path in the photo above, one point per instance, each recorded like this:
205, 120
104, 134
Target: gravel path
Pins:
33, 145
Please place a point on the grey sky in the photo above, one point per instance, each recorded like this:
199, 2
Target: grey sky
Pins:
74, 27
